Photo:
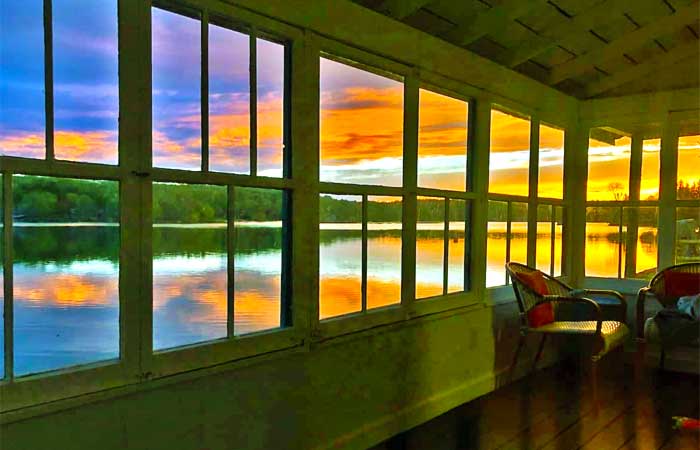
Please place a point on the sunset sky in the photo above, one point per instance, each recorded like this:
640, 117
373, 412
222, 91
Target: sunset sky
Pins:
361, 112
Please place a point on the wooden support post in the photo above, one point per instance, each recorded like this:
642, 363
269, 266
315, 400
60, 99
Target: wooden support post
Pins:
667, 194
479, 138
575, 184
532, 192
631, 215
410, 182
135, 273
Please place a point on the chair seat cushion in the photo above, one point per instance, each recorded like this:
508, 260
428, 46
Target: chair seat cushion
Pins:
612, 332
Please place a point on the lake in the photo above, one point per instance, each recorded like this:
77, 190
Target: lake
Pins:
66, 294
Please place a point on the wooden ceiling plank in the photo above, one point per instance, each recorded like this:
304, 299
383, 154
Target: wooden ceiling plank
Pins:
684, 16
564, 29
663, 63
400, 9
496, 18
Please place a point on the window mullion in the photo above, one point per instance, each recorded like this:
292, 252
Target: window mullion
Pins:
633, 212
552, 238
8, 276
446, 246
410, 181
230, 260
204, 92
253, 77
364, 253
667, 194
48, 79
533, 178
509, 218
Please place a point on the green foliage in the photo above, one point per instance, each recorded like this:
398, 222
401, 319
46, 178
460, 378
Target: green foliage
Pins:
46, 199
688, 191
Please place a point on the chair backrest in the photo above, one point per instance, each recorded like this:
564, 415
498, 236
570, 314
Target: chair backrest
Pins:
664, 291
526, 294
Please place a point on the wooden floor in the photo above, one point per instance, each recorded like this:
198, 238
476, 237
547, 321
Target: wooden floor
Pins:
552, 409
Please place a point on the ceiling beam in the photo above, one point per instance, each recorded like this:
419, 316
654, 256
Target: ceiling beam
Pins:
400, 9
562, 29
661, 63
494, 19
630, 41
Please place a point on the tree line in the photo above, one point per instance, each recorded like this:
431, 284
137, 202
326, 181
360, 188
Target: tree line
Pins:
47, 199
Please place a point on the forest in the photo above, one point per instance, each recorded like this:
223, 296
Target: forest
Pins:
47, 199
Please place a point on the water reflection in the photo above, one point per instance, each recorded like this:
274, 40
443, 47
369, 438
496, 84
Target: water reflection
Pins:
66, 281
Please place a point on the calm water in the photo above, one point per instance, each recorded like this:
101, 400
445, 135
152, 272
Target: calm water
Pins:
66, 280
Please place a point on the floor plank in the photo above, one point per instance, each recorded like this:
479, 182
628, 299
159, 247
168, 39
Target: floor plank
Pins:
552, 409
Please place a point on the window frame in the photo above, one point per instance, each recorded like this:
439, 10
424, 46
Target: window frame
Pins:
504, 293
137, 362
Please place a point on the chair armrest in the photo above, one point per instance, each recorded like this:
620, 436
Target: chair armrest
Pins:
583, 300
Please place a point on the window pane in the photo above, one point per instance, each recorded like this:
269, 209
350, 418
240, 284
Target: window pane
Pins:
361, 126
608, 168
2, 280
430, 246
544, 239
646, 239
86, 81
270, 66
603, 242
383, 251
442, 142
258, 259
229, 101
176, 91
340, 255
687, 234
649, 188
189, 264
496, 244
689, 167
66, 272
558, 239
510, 154
22, 118
518, 233
550, 181
456, 249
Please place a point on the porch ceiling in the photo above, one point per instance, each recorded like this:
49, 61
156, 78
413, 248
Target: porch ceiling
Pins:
584, 48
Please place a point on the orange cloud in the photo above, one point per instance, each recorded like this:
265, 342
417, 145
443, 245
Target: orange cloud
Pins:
66, 290
27, 145
361, 124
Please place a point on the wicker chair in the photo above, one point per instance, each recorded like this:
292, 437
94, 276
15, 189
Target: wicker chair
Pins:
605, 335
667, 296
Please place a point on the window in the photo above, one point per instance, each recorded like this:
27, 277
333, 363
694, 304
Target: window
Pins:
442, 142
689, 167
229, 100
22, 110
85, 90
64, 232
608, 167
231, 71
361, 126
550, 182
604, 245
687, 234
219, 250
649, 187
510, 154
65, 272
549, 239
509, 188
361, 143
442, 221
